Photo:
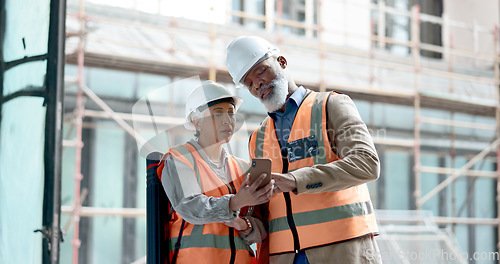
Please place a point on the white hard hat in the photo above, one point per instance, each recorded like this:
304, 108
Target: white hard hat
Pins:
244, 52
203, 95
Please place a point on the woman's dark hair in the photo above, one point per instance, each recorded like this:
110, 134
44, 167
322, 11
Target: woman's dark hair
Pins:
223, 100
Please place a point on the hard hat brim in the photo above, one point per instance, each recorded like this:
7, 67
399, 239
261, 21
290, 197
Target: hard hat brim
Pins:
237, 103
238, 81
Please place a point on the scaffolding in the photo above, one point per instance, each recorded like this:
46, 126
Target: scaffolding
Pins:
313, 43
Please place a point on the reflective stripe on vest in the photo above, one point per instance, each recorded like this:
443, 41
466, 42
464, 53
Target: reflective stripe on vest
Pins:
321, 218
197, 239
208, 242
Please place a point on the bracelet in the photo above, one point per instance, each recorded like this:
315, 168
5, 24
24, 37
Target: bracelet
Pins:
249, 224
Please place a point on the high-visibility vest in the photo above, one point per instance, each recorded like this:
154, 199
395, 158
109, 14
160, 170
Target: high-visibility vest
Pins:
214, 242
303, 221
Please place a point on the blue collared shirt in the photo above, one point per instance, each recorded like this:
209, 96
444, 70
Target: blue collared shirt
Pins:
283, 121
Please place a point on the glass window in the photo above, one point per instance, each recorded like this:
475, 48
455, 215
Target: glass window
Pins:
67, 193
112, 83
295, 10
481, 133
140, 228
27, 29
250, 103
182, 88
435, 128
70, 71
107, 191
429, 181
468, 132
458, 188
398, 27
384, 115
462, 235
148, 83
251, 8
291, 10
22, 130
22, 181
430, 33
25, 76
396, 170
486, 238
484, 195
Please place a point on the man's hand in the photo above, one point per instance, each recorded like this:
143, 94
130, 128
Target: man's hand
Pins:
249, 195
237, 223
284, 182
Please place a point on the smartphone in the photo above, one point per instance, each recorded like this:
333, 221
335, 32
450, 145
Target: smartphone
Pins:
257, 167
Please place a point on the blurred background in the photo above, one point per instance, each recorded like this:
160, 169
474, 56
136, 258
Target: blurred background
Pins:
424, 75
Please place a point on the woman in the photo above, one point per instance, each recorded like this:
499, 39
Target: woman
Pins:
207, 188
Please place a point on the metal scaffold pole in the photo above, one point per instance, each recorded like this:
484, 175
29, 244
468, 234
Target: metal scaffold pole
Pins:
415, 48
497, 115
212, 72
322, 55
54, 86
79, 115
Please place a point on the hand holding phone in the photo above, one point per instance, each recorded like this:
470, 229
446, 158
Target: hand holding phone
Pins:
249, 193
257, 167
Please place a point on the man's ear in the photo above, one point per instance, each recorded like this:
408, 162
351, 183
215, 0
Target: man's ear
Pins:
282, 61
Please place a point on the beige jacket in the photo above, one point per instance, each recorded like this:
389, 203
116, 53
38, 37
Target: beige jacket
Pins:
359, 164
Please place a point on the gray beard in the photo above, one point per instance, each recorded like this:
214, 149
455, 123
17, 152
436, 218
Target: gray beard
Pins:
277, 99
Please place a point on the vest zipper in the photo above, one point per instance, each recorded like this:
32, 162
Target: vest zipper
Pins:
288, 202
232, 190
291, 223
233, 247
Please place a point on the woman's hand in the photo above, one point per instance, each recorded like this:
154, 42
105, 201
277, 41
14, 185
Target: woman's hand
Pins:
249, 195
240, 225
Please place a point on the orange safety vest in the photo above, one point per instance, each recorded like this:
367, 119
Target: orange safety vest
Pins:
214, 242
298, 222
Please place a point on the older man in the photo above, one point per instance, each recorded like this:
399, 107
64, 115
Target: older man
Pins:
322, 155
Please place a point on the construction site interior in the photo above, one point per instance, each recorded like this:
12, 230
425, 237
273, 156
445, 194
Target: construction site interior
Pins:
424, 76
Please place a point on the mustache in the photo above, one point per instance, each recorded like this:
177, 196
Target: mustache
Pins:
265, 87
